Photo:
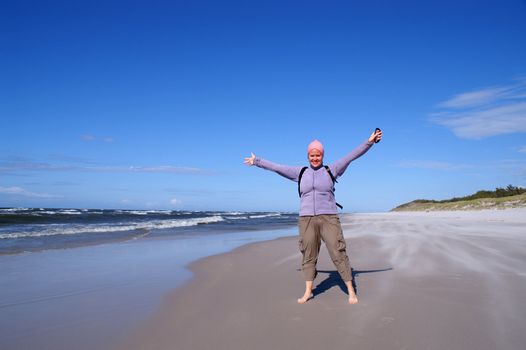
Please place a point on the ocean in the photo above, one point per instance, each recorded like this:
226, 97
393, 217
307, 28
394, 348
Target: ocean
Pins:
35, 229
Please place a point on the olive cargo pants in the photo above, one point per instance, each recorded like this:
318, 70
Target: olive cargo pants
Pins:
314, 229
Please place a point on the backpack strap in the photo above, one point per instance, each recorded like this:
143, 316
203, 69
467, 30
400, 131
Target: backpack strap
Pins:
299, 179
330, 174
333, 182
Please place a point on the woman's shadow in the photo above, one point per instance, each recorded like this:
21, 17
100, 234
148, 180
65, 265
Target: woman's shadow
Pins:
333, 279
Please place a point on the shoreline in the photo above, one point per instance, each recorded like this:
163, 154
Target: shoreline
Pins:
411, 294
92, 296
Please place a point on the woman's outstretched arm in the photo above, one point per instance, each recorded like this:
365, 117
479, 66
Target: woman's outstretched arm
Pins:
341, 165
290, 172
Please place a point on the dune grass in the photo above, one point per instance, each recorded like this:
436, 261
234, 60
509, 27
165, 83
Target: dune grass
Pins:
517, 201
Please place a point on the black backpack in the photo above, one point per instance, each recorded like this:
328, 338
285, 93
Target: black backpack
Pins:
330, 174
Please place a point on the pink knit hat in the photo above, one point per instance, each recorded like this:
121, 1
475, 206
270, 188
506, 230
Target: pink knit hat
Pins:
315, 145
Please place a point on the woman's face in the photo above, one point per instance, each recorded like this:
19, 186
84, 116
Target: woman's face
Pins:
315, 158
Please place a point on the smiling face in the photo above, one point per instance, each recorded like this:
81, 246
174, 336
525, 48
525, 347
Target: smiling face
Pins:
315, 158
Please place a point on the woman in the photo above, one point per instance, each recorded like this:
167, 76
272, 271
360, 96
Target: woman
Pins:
318, 213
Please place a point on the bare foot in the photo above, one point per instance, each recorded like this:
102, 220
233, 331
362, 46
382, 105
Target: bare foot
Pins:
353, 299
305, 298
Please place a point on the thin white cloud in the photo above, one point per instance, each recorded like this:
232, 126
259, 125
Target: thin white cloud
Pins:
164, 169
522, 149
88, 138
23, 165
7, 167
485, 123
91, 138
484, 113
474, 98
175, 201
19, 191
515, 167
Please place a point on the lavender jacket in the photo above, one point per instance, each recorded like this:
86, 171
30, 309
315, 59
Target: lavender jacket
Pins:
316, 188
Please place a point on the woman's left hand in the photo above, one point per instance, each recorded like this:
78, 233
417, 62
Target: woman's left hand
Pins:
376, 136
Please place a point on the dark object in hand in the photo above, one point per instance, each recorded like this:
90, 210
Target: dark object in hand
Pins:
376, 140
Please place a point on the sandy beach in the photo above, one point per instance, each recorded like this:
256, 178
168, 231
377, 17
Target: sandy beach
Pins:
438, 280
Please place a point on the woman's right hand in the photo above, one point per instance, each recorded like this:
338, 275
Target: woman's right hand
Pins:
250, 161
376, 136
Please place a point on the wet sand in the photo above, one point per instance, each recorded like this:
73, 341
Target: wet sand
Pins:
91, 297
438, 280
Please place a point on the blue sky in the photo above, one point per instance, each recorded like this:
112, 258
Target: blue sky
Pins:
155, 104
